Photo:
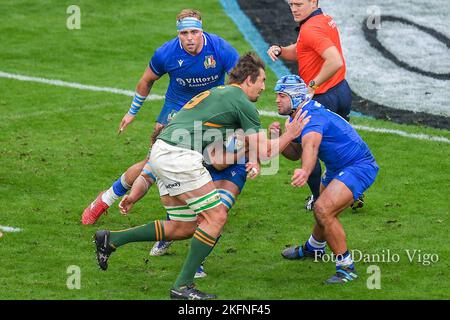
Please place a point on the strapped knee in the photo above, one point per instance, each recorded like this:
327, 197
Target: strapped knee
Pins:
227, 198
206, 202
181, 213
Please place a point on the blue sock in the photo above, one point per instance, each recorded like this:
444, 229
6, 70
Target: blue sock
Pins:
120, 187
344, 260
313, 245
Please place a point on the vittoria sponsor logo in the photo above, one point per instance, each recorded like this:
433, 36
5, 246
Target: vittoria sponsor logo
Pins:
181, 82
198, 82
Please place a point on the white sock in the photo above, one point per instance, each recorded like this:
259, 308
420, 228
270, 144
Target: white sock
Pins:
109, 197
346, 261
316, 245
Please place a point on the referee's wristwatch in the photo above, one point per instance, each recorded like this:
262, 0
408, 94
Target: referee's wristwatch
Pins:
277, 52
313, 85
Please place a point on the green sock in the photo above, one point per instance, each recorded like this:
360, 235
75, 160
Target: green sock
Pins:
201, 245
153, 231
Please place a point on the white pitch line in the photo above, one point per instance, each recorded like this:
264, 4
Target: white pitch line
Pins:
419, 136
157, 97
74, 85
10, 229
63, 110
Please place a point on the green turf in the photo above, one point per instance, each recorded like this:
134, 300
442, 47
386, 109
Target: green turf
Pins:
59, 148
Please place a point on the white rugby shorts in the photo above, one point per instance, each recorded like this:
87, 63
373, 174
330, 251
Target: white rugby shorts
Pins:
178, 170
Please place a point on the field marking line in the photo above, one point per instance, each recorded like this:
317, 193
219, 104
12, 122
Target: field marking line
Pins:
55, 111
157, 97
10, 229
75, 85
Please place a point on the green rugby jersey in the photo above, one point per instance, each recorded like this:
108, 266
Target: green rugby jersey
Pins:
209, 116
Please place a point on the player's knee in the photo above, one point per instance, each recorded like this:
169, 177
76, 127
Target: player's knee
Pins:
183, 231
222, 216
321, 214
188, 231
218, 216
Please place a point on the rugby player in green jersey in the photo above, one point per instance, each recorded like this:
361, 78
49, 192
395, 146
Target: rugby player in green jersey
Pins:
185, 185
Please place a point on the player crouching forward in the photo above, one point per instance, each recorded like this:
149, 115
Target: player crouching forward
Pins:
350, 170
228, 171
228, 167
184, 183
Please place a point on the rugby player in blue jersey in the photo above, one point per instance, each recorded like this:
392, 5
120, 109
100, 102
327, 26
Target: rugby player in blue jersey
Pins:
195, 61
350, 170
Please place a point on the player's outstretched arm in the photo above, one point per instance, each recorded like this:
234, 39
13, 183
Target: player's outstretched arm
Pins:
293, 150
138, 190
142, 91
262, 148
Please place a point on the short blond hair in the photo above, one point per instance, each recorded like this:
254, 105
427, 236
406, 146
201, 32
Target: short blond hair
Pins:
185, 13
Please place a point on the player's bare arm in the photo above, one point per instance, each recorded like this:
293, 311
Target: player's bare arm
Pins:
293, 150
156, 131
310, 150
142, 89
264, 149
138, 190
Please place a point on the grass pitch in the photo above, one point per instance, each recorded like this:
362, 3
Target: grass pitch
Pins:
59, 148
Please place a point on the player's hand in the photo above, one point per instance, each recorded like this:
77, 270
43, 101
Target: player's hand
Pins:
294, 128
274, 52
253, 170
299, 178
125, 205
126, 120
275, 129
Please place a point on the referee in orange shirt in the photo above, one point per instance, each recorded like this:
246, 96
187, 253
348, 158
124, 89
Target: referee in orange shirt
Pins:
321, 65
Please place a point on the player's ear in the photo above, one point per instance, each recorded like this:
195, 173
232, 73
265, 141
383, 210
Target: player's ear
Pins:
248, 81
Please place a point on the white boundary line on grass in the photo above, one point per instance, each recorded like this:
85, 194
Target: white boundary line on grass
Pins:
158, 97
9, 229
74, 85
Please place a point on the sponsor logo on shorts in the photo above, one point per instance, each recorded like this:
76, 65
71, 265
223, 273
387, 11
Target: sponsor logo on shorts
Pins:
341, 173
173, 185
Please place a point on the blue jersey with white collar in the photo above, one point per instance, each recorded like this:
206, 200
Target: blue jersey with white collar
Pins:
341, 145
190, 75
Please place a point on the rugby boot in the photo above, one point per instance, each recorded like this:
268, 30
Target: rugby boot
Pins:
94, 210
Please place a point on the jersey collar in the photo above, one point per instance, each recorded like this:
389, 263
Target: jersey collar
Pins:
313, 14
305, 106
